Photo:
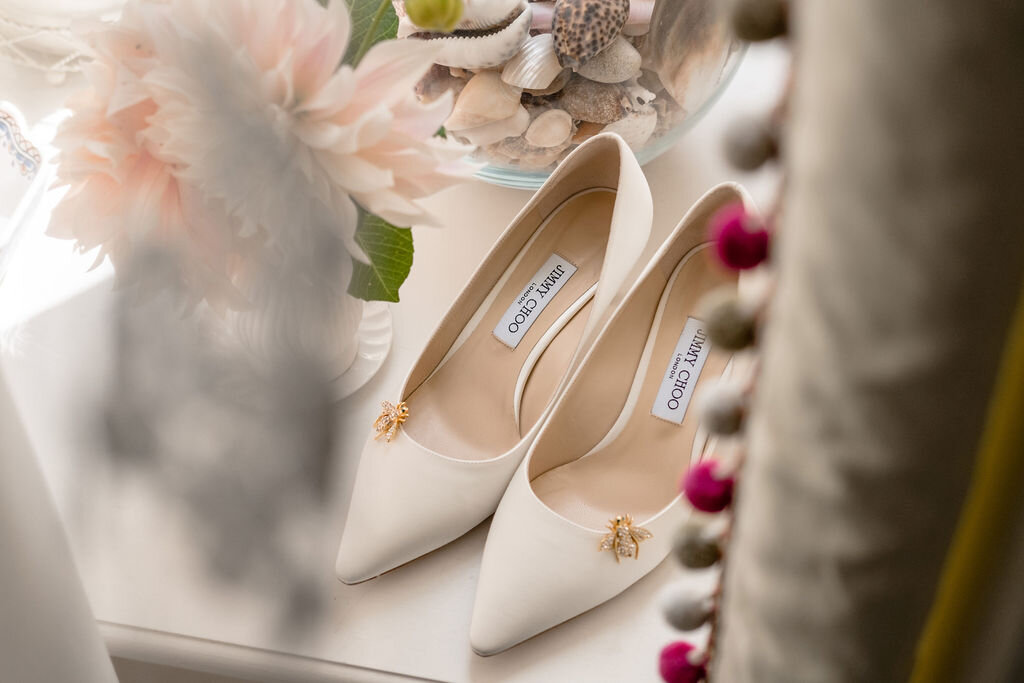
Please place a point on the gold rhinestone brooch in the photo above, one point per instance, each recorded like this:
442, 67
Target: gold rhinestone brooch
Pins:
391, 416
623, 538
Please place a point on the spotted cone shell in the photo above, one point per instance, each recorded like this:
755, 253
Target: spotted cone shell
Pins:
582, 28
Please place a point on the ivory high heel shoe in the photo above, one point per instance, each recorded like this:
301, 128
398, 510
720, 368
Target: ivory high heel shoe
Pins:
441, 453
595, 502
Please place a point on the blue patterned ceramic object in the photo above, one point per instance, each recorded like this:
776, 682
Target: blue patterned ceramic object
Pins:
21, 180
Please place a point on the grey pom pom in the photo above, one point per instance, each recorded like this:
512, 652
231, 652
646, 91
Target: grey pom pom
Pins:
722, 408
685, 608
731, 322
756, 20
750, 141
695, 547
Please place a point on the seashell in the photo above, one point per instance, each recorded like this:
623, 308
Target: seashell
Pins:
535, 66
495, 131
436, 82
550, 129
543, 13
691, 74
477, 15
560, 80
482, 50
636, 127
618, 62
582, 28
518, 152
585, 131
639, 95
649, 80
406, 28
639, 21
587, 100
484, 99
483, 14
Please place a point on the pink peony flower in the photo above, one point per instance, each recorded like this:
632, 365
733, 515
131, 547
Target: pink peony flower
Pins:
122, 196
214, 126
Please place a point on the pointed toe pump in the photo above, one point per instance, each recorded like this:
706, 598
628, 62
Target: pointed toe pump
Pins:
593, 507
442, 451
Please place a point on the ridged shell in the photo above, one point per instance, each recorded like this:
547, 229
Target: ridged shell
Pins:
484, 51
582, 28
484, 99
497, 130
535, 66
560, 82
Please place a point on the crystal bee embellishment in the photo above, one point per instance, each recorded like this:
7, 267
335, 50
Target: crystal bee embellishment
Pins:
391, 416
623, 538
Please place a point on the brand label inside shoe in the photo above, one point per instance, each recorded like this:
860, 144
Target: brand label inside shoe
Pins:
682, 372
533, 299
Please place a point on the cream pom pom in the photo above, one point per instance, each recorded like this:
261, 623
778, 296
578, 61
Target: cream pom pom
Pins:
696, 546
722, 408
731, 322
686, 608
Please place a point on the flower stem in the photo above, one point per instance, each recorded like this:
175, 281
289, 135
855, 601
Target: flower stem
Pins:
368, 38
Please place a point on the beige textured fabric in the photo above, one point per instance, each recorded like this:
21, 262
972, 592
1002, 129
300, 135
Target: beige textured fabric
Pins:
900, 265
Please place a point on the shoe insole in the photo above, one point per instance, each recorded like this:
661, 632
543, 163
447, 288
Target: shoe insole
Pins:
467, 407
636, 468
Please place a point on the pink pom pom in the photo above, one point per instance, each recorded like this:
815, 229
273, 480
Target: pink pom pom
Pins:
675, 666
704, 490
740, 241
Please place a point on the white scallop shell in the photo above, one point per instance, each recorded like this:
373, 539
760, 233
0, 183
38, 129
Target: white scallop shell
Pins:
485, 99
550, 129
485, 51
561, 80
535, 66
497, 130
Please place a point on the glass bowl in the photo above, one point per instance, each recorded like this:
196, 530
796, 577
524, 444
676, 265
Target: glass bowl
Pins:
532, 80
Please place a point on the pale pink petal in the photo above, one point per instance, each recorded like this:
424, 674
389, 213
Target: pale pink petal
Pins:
214, 127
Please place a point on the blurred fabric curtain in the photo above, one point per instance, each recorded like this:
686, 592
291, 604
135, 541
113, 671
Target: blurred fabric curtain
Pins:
47, 631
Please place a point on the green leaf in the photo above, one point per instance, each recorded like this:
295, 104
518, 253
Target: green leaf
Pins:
372, 22
389, 249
